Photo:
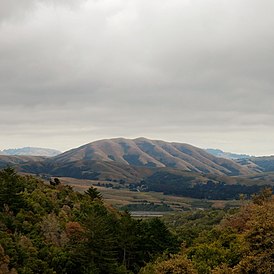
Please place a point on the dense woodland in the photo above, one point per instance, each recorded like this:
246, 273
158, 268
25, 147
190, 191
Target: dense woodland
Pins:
184, 186
49, 228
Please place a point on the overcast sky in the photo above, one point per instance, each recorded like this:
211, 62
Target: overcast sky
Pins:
193, 71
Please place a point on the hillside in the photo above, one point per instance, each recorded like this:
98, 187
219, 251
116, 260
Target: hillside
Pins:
152, 165
263, 164
7, 160
84, 169
147, 153
31, 151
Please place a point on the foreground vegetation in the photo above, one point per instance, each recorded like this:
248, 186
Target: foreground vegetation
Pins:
238, 241
53, 229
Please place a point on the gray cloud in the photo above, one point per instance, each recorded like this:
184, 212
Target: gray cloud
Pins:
190, 71
13, 10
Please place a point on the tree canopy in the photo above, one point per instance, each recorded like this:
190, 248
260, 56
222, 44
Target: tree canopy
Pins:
49, 228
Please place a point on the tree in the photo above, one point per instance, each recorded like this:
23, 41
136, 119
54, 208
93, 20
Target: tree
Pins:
156, 239
98, 252
177, 264
93, 193
264, 196
11, 186
4, 263
129, 234
55, 182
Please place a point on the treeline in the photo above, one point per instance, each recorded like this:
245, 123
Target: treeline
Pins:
147, 207
215, 191
218, 242
171, 184
52, 229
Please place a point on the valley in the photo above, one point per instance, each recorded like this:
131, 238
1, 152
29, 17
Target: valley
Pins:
122, 197
135, 206
139, 172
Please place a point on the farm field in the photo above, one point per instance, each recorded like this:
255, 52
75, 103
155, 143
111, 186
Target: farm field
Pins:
122, 197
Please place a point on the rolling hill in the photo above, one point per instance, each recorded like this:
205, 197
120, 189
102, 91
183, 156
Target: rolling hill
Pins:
8, 160
152, 165
133, 159
143, 152
260, 164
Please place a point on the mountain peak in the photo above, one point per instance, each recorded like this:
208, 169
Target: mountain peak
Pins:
144, 152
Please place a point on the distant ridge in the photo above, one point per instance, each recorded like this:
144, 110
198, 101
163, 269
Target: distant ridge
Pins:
15, 160
132, 160
31, 151
226, 155
263, 164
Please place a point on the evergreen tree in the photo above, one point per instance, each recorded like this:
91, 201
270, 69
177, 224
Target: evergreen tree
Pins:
11, 187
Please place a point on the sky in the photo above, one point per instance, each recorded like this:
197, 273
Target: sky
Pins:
191, 71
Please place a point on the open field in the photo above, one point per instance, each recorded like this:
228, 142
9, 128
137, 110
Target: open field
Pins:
122, 197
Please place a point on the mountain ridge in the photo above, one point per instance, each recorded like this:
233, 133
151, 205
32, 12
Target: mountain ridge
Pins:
227, 155
146, 153
15, 160
30, 151
134, 159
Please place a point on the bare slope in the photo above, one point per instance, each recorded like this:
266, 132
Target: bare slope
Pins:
143, 152
260, 164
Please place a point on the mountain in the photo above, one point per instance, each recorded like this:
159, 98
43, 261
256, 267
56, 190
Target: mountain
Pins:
226, 155
133, 159
31, 151
261, 164
8, 160
143, 152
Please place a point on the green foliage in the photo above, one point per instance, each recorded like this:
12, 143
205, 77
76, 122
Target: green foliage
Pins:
188, 225
98, 251
93, 193
157, 239
264, 196
176, 264
11, 187
147, 207
241, 243
52, 229
129, 235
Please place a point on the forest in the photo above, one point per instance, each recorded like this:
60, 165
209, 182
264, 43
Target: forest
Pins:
172, 184
49, 228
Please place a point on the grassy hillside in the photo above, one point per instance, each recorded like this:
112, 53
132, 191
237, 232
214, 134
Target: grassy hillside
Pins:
8, 160
152, 153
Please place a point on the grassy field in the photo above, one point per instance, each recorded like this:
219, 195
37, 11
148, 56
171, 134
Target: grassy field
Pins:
122, 197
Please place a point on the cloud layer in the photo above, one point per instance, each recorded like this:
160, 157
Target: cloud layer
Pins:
197, 71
